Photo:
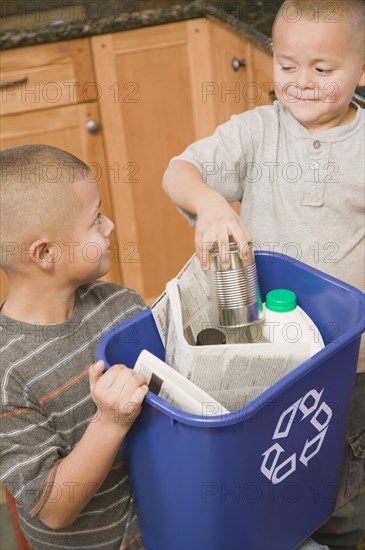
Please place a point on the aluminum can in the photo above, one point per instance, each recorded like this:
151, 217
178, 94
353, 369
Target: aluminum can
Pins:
234, 289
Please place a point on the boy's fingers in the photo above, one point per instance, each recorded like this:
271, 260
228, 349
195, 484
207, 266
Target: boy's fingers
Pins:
131, 383
203, 248
202, 251
223, 247
95, 372
133, 407
125, 374
120, 380
140, 393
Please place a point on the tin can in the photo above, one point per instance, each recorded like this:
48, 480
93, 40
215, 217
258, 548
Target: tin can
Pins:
234, 289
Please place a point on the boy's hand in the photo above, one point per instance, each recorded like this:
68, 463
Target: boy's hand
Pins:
218, 222
118, 393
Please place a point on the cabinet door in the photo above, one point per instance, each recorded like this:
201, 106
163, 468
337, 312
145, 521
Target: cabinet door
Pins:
263, 76
232, 89
148, 117
64, 127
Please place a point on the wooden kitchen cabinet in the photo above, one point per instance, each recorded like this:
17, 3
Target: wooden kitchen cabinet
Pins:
148, 85
28, 117
231, 89
148, 93
243, 75
151, 108
262, 71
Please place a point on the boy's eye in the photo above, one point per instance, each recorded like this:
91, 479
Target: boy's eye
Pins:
98, 217
287, 67
321, 70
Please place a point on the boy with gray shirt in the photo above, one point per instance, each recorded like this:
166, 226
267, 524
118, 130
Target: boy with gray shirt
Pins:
297, 169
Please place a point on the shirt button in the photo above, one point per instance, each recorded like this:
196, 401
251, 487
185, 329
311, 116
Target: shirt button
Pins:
316, 144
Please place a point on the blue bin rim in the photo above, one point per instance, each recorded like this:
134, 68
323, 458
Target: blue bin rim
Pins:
254, 407
313, 270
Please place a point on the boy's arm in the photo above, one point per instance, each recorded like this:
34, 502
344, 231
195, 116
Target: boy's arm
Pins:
118, 394
216, 220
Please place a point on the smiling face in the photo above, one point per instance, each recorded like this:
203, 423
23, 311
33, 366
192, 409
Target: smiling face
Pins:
315, 71
87, 251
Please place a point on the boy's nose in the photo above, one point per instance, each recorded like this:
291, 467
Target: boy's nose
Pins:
109, 226
305, 79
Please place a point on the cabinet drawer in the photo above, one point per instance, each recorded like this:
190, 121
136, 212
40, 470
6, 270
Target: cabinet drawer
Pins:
46, 76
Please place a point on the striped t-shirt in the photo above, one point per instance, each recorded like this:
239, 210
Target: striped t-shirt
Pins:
46, 407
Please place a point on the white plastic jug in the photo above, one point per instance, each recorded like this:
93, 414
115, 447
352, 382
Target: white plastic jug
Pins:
286, 322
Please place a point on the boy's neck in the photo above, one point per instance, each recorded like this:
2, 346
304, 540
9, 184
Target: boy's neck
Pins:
43, 308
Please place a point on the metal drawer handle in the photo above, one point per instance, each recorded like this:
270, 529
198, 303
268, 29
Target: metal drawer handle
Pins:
93, 126
236, 63
9, 83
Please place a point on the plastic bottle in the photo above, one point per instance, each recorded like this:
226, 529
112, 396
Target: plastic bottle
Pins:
286, 322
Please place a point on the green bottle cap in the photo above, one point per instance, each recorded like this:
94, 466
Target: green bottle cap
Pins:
281, 300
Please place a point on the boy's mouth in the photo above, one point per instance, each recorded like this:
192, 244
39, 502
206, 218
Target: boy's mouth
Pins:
305, 100
294, 94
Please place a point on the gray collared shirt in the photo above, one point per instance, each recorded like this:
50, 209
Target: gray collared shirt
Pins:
301, 194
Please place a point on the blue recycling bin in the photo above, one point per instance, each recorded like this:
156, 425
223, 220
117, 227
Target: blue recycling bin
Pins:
263, 477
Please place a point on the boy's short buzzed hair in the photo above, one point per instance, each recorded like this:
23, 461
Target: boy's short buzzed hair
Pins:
37, 195
352, 11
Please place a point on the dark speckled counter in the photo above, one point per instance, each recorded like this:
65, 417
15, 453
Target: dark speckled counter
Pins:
25, 23
29, 22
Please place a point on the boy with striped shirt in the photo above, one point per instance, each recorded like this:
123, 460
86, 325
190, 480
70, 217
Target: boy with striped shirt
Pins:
62, 420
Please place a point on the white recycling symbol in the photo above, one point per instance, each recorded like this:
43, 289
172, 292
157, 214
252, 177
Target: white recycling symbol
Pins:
275, 466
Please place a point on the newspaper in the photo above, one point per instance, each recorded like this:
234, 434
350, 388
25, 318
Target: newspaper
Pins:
234, 373
197, 311
169, 384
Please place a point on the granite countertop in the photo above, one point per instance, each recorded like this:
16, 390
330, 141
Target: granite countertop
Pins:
29, 22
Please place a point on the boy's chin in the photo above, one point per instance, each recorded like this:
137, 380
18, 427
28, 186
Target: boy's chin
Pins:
104, 271
99, 273
306, 113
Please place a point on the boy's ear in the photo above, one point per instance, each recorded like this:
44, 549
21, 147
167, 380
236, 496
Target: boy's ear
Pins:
44, 253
